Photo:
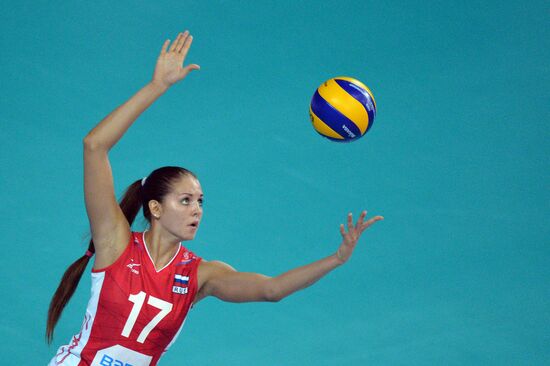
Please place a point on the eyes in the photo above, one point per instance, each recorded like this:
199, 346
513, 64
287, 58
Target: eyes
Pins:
186, 201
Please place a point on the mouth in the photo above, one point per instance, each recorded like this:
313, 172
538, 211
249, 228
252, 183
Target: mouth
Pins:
194, 224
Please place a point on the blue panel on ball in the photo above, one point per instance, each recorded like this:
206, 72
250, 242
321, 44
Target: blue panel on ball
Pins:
362, 96
338, 140
333, 118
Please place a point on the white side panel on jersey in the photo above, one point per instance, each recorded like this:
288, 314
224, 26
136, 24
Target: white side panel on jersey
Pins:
69, 355
119, 355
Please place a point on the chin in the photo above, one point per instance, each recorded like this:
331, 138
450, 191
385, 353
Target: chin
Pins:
183, 234
187, 237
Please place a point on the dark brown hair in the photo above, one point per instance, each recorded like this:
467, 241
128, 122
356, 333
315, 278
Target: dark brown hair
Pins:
156, 186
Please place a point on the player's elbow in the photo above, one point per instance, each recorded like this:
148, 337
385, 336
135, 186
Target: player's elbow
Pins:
272, 292
91, 143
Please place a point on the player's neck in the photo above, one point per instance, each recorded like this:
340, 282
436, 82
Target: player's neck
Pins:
161, 248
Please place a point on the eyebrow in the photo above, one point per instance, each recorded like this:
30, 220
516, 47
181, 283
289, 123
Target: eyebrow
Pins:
190, 194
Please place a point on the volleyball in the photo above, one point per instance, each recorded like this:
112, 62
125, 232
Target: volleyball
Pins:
342, 109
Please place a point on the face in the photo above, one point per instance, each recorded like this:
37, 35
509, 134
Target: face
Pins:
180, 212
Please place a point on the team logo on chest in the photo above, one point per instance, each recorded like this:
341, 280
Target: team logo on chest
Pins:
187, 258
134, 267
180, 284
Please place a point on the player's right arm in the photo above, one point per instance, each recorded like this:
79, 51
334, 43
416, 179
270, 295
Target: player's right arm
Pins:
109, 227
220, 280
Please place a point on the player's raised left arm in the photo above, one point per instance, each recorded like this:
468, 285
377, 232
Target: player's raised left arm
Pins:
225, 283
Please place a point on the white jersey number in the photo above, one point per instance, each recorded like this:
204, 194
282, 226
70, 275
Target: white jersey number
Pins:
138, 300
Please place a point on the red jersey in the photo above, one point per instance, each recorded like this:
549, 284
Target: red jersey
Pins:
135, 312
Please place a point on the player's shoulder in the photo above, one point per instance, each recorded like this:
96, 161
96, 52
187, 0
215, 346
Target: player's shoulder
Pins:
187, 257
209, 271
215, 266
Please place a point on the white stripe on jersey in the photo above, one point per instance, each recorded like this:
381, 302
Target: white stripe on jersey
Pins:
69, 355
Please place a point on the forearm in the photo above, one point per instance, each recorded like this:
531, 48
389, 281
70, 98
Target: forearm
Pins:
302, 277
107, 133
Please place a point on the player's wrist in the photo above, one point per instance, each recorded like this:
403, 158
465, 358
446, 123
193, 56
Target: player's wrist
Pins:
339, 257
159, 86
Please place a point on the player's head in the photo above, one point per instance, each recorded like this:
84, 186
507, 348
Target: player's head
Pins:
155, 187
172, 198
162, 183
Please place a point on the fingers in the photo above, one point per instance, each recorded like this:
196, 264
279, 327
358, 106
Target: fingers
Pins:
175, 43
164, 47
187, 69
373, 220
361, 223
350, 222
370, 222
351, 232
356, 230
361, 219
181, 44
192, 67
183, 40
185, 46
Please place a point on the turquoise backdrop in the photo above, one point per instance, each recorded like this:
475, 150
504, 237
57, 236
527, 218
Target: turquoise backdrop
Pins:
458, 162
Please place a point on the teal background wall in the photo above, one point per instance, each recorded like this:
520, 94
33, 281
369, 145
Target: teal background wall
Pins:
458, 162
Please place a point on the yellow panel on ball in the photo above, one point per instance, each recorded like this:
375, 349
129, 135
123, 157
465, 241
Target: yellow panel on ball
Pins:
357, 82
322, 127
344, 103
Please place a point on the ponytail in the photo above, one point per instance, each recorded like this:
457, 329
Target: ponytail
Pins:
130, 204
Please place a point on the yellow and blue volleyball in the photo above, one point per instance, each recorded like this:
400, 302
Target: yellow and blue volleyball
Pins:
342, 109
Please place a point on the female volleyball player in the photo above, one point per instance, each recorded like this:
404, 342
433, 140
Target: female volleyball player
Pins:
143, 284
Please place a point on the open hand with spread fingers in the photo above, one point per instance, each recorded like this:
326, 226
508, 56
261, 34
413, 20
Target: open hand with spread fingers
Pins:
353, 234
169, 69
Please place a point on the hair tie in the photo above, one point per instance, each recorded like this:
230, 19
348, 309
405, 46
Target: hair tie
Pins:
143, 181
89, 254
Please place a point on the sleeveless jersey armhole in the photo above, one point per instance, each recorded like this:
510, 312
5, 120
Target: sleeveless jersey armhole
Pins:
195, 278
122, 255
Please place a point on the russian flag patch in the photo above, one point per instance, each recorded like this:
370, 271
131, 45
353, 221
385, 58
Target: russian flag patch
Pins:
179, 281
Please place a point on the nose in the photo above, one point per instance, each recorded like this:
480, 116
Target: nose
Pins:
197, 209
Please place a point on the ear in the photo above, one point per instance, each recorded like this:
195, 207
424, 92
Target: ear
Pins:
156, 209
